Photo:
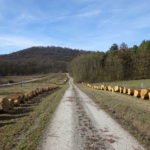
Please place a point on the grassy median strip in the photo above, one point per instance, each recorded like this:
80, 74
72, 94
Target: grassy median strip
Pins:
22, 129
133, 114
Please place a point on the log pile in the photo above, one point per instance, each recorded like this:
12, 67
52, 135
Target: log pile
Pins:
136, 92
9, 102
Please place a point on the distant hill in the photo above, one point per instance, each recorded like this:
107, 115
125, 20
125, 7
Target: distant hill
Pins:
37, 60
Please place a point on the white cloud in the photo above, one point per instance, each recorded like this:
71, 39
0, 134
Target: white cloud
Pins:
8, 40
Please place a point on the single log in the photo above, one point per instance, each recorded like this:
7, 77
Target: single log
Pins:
26, 96
30, 95
47, 89
137, 92
121, 89
124, 90
89, 85
109, 88
21, 98
4, 104
95, 87
11, 103
16, 102
149, 95
102, 87
106, 88
116, 88
33, 93
40, 91
130, 91
144, 93
113, 89
99, 87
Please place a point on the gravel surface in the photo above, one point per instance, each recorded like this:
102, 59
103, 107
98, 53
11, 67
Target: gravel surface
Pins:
78, 124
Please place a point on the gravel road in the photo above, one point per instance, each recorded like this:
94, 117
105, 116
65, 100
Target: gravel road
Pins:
78, 124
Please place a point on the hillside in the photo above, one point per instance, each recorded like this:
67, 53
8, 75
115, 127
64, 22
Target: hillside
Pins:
37, 60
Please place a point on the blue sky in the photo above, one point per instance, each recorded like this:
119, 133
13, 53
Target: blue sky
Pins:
83, 24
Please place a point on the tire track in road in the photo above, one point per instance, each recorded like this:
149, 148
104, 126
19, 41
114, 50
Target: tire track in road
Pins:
79, 125
87, 132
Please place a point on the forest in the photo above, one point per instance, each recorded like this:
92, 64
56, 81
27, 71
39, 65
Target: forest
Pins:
118, 63
37, 60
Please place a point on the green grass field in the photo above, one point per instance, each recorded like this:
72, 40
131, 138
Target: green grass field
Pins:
145, 83
7, 79
22, 128
51, 79
132, 113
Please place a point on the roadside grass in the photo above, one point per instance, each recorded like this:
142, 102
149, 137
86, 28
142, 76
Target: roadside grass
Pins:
51, 79
145, 83
22, 128
132, 113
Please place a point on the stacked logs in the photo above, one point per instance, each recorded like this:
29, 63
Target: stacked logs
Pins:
4, 104
136, 92
9, 102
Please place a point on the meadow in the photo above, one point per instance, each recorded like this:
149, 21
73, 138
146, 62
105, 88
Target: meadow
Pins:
23, 127
144, 83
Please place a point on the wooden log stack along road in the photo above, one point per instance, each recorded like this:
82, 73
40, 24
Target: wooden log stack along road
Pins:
9, 102
136, 92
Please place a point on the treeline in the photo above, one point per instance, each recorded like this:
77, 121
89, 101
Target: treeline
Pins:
118, 63
36, 60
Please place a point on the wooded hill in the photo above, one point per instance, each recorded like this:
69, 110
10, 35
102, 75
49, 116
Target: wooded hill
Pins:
37, 60
118, 63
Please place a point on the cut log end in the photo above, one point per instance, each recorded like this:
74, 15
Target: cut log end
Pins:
137, 92
130, 91
4, 104
116, 88
144, 93
124, 90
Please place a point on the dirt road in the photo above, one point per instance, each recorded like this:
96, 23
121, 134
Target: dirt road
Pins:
78, 124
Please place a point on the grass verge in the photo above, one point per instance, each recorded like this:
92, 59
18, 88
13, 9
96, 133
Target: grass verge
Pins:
22, 129
145, 83
132, 113
51, 79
